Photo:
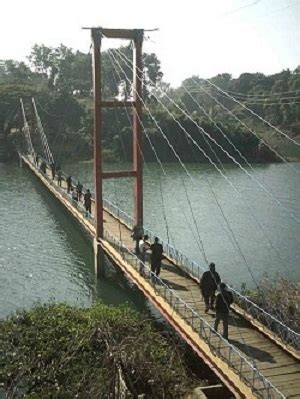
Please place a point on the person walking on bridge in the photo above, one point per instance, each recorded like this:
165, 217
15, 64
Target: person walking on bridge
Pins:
69, 184
223, 302
156, 256
74, 195
79, 188
137, 235
142, 254
53, 170
43, 167
208, 285
59, 177
88, 201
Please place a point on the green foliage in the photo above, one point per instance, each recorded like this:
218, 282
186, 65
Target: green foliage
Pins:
61, 81
60, 351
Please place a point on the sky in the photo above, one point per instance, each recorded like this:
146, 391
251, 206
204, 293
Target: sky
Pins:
194, 37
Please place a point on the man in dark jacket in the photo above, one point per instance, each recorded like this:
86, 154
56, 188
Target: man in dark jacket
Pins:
53, 170
69, 183
88, 201
79, 188
223, 302
208, 284
156, 256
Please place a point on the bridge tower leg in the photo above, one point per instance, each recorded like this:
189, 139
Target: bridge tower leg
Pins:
137, 128
97, 137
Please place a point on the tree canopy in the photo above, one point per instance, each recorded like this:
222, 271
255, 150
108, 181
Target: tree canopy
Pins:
60, 79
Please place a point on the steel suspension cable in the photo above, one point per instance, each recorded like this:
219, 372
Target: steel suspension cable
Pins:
236, 325
153, 149
222, 212
248, 128
201, 248
252, 112
279, 204
247, 162
42, 133
128, 117
212, 162
239, 94
27, 130
261, 101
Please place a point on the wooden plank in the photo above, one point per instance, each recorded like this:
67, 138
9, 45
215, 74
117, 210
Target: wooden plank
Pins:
291, 369
291, 379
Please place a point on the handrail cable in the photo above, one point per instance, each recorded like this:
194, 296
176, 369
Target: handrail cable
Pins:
252, 366
267, 384
189, 265
289, 333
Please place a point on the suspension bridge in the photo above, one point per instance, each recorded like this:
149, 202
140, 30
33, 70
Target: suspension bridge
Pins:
261, 359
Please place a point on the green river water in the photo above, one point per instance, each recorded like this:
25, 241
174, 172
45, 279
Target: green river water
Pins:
44, 255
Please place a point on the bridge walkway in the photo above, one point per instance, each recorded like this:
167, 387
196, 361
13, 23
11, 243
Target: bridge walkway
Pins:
250, 364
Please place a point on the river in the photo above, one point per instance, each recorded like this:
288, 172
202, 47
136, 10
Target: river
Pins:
247, 226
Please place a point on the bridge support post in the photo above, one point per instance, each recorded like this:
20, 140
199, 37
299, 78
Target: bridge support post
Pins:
137, 127
96, 39
99, 259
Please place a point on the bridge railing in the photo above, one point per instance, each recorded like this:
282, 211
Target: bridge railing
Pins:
219, 346
275, 326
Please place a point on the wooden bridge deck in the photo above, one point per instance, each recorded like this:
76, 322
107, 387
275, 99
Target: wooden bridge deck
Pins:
273, 362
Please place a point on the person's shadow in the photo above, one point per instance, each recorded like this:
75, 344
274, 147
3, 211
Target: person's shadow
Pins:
236, 321
173, 285
253, 352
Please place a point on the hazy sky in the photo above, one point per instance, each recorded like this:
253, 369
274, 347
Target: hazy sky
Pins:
202, 37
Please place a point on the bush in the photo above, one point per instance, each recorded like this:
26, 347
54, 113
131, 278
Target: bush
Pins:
60, 351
